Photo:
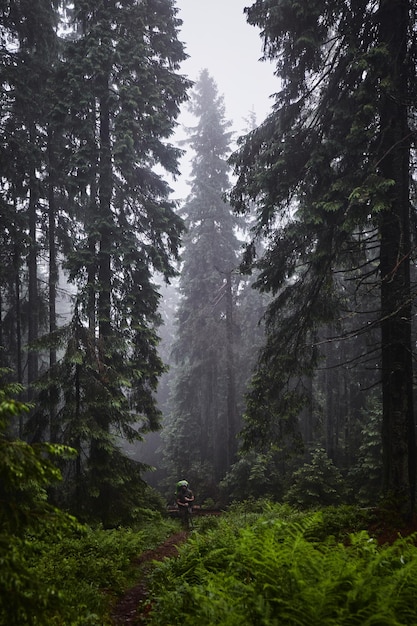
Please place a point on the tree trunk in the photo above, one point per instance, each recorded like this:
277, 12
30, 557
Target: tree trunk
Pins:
18, 314
33, 304
105, 194
399, 450
77, 442
92, 240
53, 280
99, 456
231, 382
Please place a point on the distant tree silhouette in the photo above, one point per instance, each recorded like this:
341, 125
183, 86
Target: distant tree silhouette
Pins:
201, 430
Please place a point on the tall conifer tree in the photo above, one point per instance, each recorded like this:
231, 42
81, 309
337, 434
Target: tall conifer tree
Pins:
329, 169
201, 429
121, 91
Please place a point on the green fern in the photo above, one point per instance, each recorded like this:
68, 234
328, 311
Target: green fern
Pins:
274, 571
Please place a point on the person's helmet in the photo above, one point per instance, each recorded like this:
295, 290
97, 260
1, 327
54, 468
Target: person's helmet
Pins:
182, 483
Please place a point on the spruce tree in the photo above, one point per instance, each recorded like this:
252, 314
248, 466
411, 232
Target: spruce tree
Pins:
201, 430
329, 170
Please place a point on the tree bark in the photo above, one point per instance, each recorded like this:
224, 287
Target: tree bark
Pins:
99, 456
33, 304
105, 194
231, 379
53, 280
399, 449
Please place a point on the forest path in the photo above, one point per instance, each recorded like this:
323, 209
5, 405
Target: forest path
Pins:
131, 609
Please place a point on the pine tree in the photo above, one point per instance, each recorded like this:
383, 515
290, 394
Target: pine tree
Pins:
201, 433
329, 169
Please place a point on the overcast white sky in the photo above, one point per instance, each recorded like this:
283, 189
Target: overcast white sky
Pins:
217, 37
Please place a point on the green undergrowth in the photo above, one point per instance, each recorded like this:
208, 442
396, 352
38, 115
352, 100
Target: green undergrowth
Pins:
86, 570
280, 566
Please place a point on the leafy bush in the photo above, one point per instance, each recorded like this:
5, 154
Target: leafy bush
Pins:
25, 473
274, 571
318, 482
207, 523
53, 571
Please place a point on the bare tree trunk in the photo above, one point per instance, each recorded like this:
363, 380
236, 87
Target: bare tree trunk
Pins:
231, 380
104, 305
77, 442
18, 318
53, 281
33, 304
99, 455
397, 373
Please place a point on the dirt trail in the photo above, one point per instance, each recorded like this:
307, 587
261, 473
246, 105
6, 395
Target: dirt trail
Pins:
131, 609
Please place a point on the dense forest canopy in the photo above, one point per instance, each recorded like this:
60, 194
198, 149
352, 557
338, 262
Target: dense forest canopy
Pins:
281, 390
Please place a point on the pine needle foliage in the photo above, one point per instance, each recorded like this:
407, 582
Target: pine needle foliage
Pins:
277, 570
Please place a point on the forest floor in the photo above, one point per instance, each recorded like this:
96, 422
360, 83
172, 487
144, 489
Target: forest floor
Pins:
386, 530
132, 609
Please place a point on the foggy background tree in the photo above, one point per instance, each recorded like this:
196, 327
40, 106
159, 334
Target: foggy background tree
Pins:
200, 433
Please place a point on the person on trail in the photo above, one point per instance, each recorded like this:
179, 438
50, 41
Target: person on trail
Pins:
185, 499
